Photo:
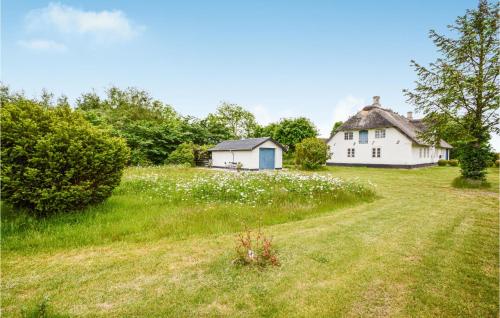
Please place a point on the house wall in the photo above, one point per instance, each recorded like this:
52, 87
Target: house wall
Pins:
223, 158
420, 157
249, 159
396, 149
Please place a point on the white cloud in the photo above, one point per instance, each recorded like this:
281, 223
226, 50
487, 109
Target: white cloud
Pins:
100, 25
43, 45
342, 110
347, 107
264, 116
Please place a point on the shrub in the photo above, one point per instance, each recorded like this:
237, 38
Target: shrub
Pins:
255, 249
201, 154
497, 163
53, 160
461, 182
474, 160
183, 154
311, 153
453, 162
442, 162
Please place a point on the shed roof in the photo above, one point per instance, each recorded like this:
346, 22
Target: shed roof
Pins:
242, 144
374, 116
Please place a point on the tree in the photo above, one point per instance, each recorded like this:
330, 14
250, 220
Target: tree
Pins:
336, 127
152, 129
53, 160
291, 131
267, 131
311, 153
461, 87
239, 122
183, 154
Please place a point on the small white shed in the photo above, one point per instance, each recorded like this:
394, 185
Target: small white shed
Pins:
253, 154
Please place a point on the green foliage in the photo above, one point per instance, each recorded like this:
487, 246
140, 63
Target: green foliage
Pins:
474, 159
336, 126
458, 94
201, 154
311, 153
291, 131
53, 160
442, 162
267, 131
184, 154
234, 120
152, 130
497, 163
453, 162
151, 142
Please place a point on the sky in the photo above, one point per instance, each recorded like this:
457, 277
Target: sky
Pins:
320, 59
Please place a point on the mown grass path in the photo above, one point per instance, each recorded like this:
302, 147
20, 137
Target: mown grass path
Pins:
421, 249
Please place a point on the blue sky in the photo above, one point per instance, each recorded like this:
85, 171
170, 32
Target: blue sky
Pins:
320, 59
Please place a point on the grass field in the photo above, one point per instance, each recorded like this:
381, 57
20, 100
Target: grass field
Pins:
418, 248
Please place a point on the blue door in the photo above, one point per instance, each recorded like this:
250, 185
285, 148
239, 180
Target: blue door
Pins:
266, 158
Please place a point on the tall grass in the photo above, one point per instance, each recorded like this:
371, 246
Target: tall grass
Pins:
175, 203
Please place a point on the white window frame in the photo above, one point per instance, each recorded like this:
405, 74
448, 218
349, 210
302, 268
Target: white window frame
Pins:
376, 152
348, 135
380, 133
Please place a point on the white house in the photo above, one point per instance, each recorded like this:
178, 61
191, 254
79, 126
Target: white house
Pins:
379, 137
252, 154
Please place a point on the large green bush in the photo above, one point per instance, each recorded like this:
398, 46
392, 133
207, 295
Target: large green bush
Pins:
182, 155
53, 160
311, 153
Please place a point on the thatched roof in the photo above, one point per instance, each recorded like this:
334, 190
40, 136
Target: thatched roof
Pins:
242, 144
374, 116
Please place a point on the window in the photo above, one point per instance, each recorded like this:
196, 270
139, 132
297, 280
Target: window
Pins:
420, 152
348, 135
350, 152
380, 133
376, 152
363, 136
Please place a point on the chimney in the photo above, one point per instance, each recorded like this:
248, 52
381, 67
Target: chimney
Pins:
409, 115
376, 101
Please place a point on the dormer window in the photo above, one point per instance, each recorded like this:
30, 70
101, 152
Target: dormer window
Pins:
380, 133
363, 136
348, 135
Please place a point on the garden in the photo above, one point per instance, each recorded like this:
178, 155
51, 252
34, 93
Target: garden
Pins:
349, 241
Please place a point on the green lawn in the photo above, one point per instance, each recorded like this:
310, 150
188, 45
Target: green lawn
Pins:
420, 248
